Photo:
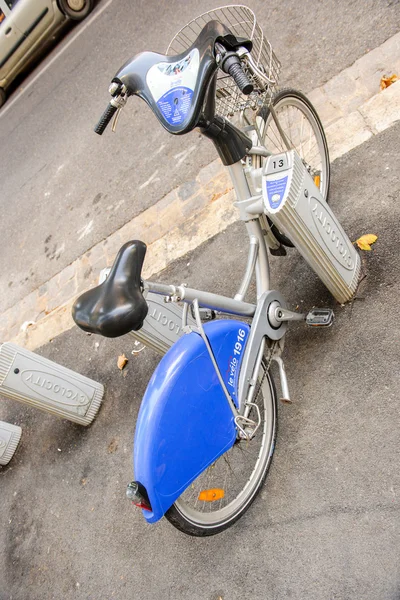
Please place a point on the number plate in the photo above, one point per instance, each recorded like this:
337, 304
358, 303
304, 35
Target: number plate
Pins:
277, 163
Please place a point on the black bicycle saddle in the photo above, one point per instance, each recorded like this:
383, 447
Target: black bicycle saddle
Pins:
117, 305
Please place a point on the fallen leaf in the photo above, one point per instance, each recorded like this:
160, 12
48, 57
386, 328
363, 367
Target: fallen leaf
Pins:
216, 196
220, 194
369, 238
365, 241
386, 81
122, 360
112, 446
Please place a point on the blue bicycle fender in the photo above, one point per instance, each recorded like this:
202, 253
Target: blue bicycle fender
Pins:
185, 422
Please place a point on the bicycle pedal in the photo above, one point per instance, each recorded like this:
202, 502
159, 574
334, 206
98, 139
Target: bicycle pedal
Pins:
206, 314
320, 317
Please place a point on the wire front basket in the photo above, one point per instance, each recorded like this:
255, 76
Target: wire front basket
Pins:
242, 23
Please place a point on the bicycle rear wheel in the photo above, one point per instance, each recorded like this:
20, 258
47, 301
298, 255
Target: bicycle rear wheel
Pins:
238, 475
301, 125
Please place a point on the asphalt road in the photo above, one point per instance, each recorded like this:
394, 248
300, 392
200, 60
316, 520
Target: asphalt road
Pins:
63, 188
326, 525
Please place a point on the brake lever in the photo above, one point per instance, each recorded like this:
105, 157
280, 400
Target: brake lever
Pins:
115, 120
119, 93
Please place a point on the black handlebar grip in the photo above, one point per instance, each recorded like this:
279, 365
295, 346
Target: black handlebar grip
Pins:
105, 119
242, 81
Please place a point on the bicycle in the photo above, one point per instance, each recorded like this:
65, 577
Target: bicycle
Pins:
206, 429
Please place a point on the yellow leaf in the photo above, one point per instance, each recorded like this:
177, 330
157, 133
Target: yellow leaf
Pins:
122, 360
386, 81
219, 194
369, 238
363, 246
365, 241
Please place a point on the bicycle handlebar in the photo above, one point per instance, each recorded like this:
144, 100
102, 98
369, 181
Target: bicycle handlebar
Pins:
242, 81
232, 65
105, 118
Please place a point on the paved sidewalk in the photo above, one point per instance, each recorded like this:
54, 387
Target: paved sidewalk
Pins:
326, 525
352, 111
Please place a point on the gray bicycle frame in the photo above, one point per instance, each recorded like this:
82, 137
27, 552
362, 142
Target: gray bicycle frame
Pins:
251, 212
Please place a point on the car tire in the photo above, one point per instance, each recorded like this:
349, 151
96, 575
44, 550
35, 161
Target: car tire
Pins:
3, 97
76, 10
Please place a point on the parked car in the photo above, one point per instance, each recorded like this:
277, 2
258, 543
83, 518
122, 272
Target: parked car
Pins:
26, 26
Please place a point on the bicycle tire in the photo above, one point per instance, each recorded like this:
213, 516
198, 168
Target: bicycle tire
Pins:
200, 523
284, 100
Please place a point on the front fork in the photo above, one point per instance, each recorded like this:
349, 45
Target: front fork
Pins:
254, 229
264, 326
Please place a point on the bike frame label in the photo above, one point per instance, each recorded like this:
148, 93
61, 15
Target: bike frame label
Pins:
172, 86
276, 189
232, 373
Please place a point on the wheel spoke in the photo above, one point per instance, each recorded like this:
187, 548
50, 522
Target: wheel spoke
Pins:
239, 473
303, 134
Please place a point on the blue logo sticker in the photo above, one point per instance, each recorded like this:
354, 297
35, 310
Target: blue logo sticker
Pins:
276, 191
175, 104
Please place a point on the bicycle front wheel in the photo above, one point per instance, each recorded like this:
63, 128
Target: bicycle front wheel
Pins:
224, 491
302, 127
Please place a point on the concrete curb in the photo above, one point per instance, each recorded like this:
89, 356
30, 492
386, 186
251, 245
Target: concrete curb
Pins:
351, 113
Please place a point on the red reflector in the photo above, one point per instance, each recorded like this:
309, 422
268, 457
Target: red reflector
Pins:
138, 495
142, 505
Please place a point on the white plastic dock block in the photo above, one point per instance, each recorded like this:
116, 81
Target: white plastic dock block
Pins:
42, 383
9, 440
